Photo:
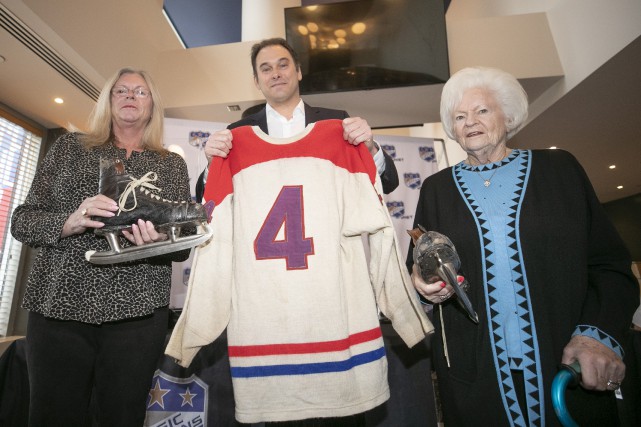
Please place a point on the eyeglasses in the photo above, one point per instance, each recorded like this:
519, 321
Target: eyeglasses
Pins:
121, 92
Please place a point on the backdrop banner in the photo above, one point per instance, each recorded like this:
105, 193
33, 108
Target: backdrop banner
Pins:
415, 160
187, 138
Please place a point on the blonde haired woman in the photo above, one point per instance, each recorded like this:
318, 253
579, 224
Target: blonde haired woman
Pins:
97, 328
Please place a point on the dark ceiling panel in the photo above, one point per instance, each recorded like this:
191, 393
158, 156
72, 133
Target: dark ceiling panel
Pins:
205, 22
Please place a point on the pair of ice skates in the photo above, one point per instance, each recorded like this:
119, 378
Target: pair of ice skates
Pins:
137, 199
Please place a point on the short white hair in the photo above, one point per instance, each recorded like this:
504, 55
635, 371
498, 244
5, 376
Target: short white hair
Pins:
507, 91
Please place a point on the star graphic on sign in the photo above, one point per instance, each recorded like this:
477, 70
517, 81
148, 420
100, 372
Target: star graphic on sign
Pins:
187, 398
156, 394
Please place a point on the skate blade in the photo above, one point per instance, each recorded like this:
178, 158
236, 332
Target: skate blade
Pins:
149, 250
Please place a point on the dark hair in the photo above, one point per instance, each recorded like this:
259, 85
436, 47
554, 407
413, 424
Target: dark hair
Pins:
276, 41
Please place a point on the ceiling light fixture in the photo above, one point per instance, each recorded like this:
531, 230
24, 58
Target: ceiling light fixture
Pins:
58, 100
359, 28
553, 147
233, 108
612, 166
619, 187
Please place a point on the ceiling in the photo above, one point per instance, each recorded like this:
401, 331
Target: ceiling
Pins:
79, 43
599, 122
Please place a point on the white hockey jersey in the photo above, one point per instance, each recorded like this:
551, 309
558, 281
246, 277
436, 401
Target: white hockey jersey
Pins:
286, 274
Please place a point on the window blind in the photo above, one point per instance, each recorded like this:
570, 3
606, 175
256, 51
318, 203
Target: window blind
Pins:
19, 151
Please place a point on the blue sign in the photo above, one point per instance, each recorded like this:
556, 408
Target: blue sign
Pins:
427, 153
390, 149
412, 179
396, 209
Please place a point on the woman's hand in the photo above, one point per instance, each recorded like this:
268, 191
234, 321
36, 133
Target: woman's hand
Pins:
80, 219
436, 292
601, 368
143, 232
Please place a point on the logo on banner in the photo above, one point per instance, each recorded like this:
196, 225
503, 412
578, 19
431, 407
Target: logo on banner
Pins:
427, 153
412, 179
186, 273
198, 138
390, 149
176, 402
396, 209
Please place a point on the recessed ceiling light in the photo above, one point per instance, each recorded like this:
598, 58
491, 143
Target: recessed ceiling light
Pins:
58, 100
553, 147
612, 166
619, 187
359, 28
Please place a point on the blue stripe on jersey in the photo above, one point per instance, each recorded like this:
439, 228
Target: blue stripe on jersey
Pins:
308, 368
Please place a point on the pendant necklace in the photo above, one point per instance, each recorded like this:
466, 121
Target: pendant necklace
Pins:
488, 181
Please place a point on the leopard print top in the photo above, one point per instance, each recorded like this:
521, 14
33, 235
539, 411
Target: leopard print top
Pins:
62, 284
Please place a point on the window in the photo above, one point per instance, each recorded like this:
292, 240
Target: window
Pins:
19, 151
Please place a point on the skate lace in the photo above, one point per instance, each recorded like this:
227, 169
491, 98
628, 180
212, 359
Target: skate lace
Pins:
144, 185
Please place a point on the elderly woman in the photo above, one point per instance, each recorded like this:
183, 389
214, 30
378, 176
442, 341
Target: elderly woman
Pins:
94, 328
549, 276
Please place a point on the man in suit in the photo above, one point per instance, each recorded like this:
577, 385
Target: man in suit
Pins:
277, 75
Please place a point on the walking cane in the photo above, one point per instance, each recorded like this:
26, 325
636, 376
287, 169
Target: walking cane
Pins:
568, 376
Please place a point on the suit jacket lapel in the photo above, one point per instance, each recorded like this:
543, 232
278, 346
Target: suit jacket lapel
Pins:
310, 114
261, 120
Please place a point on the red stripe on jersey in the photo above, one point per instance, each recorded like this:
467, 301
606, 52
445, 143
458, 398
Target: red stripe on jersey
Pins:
305, 348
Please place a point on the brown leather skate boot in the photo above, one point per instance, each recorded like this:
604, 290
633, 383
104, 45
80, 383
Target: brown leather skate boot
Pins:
137, 199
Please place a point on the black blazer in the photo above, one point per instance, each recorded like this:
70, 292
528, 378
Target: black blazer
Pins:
389, 178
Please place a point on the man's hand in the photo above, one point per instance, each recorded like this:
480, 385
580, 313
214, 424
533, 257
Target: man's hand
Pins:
356, 131
218, 144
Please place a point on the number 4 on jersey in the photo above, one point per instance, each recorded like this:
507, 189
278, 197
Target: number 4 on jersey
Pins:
287, 213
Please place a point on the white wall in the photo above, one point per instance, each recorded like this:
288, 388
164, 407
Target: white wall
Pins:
264, 19
587, 33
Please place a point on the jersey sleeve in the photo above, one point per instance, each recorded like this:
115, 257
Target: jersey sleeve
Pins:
208, 302
390, 281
